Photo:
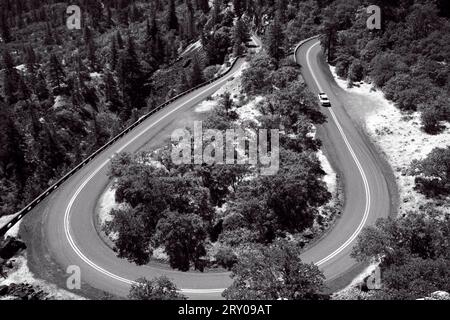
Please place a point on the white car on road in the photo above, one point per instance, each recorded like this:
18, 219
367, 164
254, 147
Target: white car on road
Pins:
324, 101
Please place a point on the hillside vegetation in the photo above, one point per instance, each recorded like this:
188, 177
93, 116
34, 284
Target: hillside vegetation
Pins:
64, 93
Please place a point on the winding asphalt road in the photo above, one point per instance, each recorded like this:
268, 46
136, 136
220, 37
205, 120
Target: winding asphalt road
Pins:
67, 223
366, 191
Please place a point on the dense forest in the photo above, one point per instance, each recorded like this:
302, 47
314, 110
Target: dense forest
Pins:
57, 84
408, 58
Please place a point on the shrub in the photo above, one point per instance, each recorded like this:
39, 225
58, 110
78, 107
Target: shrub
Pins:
430, 121
383, 68
210, 72
157, 289
342, 68
433, 112
433, 173
356, 71
226, 258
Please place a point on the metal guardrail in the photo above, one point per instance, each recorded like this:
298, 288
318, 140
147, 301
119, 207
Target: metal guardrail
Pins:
301, 43
20, 214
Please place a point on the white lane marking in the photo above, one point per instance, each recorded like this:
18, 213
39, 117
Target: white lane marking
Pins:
72, 200
358, 164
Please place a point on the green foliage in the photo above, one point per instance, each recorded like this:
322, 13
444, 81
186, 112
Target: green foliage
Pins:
304, 23
160, 288
56, 76
356, 71
286, 201
416, 278
275, 40
196, 76
216, 45
414, 253
219, 178
420, 235
274, 272
182, 236
121, 65
433, 173
226, 258
170, 191
133, 239
296, 191
434, 112
406, 58
5, 30
131, 78
256, 79
241, 34
172, 19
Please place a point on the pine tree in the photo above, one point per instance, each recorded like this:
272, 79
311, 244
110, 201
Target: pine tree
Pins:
147, 44
196, 76
91, 53
87, 35
23, 92
183, 82
5, 32
8, 62
155, 55
131, 79
108, 21
56, 75
96, 12
35, 124
114, 54
90, 48
215, 16
282, 6
49, 38
153, 30
190, 20
250, 8
123, 12
135, 14
172, 19
275, 39
40, 88
238, 8
119, 40
12, 148
10, 79
203, 5
329, 30
216, 46
241, 33
226, 102
30, 60
52, 154
76, 91
112, 98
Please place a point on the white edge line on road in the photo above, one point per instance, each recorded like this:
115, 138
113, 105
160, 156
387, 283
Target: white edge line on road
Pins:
358, 164
72, 200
